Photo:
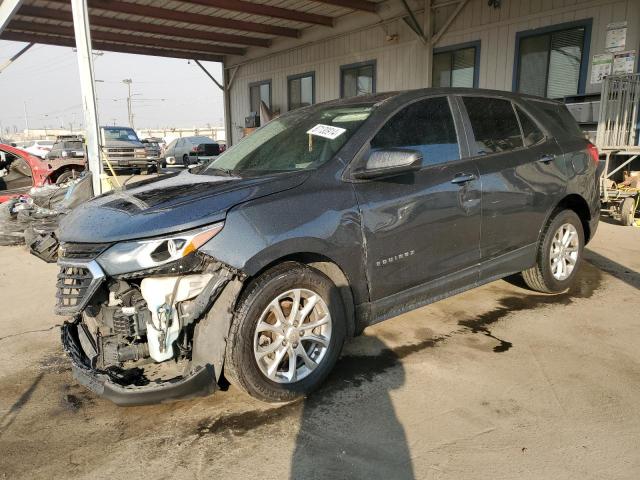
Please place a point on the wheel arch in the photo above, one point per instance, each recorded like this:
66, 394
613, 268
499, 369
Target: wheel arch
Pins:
53, 176
577, 204
325, 265
580, 206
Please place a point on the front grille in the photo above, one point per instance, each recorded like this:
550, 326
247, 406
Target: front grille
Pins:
120, 150
77, 282
73, 283
81, 251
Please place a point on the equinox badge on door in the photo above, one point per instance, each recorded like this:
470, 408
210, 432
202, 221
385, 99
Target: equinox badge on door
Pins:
395, 258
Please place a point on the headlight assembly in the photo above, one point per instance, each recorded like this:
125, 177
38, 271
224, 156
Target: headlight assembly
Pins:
127, 257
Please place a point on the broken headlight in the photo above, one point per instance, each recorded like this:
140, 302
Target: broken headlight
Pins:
126, 257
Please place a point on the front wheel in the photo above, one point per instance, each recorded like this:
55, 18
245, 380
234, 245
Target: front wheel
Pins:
66, 176
559, 254
286, 335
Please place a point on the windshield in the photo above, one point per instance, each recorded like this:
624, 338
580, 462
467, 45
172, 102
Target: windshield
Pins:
120, 133
301, 140
71, 145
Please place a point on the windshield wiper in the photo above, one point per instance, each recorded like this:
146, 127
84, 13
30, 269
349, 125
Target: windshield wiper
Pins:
224, 172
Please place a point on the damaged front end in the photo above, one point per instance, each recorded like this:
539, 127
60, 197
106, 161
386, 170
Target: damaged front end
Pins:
150, 318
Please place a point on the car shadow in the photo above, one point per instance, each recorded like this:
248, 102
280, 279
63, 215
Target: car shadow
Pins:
615, 269
349, 428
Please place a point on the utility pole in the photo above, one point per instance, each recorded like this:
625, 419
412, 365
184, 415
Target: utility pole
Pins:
128, 82
26, 117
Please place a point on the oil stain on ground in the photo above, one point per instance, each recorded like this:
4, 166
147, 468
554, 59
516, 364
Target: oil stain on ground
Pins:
355, 370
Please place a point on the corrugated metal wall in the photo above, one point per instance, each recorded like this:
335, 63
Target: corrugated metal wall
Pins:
401, 63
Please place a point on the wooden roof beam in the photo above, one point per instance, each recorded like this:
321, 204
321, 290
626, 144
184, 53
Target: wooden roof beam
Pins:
363, 5
36, 28
144, 27
186, 17
265, 11
108, 46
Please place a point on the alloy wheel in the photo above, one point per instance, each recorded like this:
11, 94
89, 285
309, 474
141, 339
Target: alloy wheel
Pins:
565, 248
292, 335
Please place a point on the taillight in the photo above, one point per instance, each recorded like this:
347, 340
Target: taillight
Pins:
593, 151
194, 149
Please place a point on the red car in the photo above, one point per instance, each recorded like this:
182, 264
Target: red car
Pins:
19, 171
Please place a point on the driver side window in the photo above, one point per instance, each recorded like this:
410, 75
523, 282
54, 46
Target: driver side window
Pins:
426, 126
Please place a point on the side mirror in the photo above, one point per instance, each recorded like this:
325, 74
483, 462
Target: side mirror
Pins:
383, 163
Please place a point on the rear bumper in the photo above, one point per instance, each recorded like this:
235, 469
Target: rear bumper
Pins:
199, 383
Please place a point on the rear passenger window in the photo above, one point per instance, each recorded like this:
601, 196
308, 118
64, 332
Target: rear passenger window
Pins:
426, 126
530, 130
494, 124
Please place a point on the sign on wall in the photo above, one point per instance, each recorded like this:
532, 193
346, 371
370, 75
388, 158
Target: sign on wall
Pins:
616, 37
601, 66
624, 62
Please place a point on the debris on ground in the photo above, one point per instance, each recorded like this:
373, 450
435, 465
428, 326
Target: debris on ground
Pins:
33, 219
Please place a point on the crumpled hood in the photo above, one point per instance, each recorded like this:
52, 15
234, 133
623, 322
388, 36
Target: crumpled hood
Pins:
167, 205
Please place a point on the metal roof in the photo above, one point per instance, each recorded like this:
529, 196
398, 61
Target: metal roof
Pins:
193, 29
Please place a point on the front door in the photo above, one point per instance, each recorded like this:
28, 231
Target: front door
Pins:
422, 226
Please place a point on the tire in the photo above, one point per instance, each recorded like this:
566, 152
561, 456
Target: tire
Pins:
628, 211
66, 176
541, 277
185, 160
242, 366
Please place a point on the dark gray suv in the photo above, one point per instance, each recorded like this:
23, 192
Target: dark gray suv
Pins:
256, 267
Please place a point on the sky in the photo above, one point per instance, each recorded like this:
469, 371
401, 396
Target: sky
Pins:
166, 92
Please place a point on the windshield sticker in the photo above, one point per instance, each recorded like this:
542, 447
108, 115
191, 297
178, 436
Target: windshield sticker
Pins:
326, 131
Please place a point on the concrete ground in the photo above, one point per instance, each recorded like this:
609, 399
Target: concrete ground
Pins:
496, 383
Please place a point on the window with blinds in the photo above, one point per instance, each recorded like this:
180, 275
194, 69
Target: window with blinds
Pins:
455, 68
358, 79
259, 92
550, 63
301, 90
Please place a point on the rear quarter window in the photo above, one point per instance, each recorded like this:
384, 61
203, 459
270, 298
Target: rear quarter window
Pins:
561, 118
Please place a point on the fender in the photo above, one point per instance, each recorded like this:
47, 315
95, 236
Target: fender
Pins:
211, 332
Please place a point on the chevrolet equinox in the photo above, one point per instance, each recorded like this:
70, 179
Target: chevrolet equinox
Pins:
256, 267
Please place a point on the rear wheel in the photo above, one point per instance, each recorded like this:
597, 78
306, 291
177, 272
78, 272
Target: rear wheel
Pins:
559, 254
286, 335
185, 160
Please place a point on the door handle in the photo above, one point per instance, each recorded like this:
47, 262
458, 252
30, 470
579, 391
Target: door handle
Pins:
548, 158
462, 178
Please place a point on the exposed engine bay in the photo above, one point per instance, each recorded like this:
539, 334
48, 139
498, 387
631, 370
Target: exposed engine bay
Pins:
140, 332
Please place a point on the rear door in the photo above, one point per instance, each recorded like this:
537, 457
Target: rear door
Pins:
422, 226
522, 177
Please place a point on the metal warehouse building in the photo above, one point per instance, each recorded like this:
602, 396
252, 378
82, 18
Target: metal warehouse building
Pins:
290, 53
543, 47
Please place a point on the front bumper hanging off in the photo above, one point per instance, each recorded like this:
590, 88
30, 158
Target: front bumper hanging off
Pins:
200, 382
